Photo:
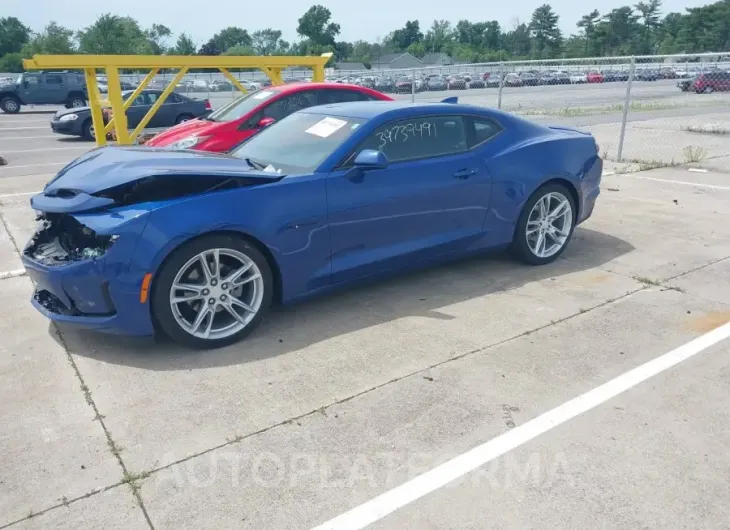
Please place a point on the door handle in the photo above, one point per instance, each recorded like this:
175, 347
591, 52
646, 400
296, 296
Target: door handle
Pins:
464, 173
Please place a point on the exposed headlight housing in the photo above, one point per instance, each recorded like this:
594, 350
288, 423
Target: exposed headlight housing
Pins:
69, 117
187, 143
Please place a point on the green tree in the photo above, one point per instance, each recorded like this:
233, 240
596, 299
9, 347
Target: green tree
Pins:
11, 62
156, 36
268, 42
404, 37
53, 40
316, 25
13, 35
588, 24
114, 35
651, 19
439, 37
225, 40
544, 31
183, 46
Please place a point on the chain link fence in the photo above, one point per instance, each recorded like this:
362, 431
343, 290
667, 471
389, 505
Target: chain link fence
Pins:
650, 110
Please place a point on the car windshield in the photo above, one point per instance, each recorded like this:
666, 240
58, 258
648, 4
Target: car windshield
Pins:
298, 143
241, 106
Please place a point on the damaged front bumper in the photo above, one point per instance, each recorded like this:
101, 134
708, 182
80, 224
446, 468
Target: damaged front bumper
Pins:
83, 279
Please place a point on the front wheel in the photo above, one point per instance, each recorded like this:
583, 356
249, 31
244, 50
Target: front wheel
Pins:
545, 225
10, 105
707, 90
212, 291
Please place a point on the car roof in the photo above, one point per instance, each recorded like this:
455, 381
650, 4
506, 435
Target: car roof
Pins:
303, 85
372, 109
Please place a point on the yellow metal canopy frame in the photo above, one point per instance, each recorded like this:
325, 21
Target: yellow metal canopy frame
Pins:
112, 64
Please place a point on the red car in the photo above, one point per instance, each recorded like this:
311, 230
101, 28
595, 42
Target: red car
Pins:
228, 126
594, 77
706, 83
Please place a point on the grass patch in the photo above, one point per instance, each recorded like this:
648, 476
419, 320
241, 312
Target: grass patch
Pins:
694, 154
636, 106
706, 129
645, 280
691, 154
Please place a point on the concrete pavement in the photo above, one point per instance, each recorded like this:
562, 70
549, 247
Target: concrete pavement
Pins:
338, 400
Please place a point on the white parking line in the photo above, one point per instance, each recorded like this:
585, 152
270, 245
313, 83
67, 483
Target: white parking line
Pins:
21, 128
29, 137
390, 501
33, 165
19, 194
12, 274
75, 147
681, 182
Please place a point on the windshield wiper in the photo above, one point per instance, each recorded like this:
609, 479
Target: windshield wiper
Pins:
255, 164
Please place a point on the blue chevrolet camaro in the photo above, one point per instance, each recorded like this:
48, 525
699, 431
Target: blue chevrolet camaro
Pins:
198, 246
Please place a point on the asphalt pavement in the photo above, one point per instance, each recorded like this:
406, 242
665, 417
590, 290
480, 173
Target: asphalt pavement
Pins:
482, 394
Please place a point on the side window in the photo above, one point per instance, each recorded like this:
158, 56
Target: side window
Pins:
333, 95
54, 80
416, 138
140, 101
173, 98
289, 104
482, 130
151, 98
31, 79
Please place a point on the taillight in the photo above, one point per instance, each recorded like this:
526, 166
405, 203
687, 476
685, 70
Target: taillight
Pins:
207, 105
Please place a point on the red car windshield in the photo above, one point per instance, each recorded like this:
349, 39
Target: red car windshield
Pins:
240, 107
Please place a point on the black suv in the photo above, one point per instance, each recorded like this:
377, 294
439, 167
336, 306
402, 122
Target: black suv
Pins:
44, 88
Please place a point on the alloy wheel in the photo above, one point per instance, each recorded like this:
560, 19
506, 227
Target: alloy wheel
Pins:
216, 293
549, 225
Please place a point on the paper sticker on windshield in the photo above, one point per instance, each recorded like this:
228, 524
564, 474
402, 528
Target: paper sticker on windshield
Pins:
326, 127
263, 94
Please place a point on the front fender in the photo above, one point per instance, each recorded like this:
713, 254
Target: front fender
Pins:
288, 217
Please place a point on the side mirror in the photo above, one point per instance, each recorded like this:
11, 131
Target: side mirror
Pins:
371, 159
265, 122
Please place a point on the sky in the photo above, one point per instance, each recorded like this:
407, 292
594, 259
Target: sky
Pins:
368, 20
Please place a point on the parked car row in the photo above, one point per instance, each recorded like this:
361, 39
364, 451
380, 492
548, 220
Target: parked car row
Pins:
423, 82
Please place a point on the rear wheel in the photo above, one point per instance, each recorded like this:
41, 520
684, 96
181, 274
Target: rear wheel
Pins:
183, 118
212, 291
545, 225
10, 105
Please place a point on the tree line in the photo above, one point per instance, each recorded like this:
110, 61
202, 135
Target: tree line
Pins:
640, 29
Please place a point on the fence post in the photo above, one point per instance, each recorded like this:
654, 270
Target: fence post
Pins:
413, 85
627, 104
501, 84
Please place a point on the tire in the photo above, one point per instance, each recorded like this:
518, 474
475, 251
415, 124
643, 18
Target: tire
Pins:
232, 250
522, 244
182, 118
87, 130
708, 90
75, 102
10, 105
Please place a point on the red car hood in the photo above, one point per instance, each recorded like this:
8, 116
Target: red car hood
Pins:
188, 128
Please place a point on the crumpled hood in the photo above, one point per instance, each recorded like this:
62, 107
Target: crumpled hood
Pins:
108, 167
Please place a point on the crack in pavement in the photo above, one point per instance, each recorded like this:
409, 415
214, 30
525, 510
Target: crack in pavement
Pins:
128, 479
132, 479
